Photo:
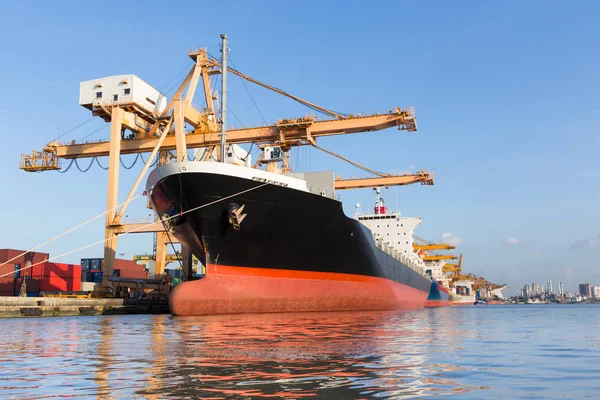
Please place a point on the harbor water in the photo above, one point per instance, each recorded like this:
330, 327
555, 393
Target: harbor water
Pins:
491, 352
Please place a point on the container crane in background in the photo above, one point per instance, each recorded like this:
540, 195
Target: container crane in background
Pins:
425, 245
453, 269
161, 131
438, 257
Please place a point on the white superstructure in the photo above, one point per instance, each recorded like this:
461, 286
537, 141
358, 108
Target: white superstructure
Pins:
393, 233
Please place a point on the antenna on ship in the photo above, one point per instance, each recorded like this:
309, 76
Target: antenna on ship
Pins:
223, 95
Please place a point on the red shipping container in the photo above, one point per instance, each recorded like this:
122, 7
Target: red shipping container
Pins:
56, 283
49, 269
139, 274
54, 277
7, 269
7, 285
32, 257
126, 265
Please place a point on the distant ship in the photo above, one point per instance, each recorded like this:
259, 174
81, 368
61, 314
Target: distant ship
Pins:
462, 293
439, 294
274, 242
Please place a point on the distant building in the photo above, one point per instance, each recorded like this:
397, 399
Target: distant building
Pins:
549, 286
582, 290
527, 291
597, 292
561, 289
588, 290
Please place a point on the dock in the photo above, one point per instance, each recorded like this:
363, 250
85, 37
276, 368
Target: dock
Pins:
11, 307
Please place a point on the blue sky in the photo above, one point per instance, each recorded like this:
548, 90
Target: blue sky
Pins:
506, 95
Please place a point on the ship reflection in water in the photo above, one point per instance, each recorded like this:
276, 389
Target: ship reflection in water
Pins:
333, 355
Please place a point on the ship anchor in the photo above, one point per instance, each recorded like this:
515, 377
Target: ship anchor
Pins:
235, 215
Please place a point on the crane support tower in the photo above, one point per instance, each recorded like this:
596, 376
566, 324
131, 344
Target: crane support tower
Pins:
143, 120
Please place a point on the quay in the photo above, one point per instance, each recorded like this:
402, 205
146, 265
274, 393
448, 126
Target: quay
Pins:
11, 307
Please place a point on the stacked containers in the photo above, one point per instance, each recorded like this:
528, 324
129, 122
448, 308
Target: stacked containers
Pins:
32, 286
17, 263
92, 269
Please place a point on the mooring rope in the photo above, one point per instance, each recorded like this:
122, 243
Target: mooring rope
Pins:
66, 232
135, 230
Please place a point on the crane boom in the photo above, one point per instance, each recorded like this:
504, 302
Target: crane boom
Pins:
440, 246
291, 132
425, 178
439, 257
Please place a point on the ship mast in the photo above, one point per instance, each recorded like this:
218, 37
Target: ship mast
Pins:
223, 95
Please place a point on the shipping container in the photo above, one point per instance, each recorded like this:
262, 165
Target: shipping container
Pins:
85, 264
175, 273
88, 286
127, 265
54, 283
134, 274
8, 270
96, 263
22, 257
96, 277
47, 269
7, 285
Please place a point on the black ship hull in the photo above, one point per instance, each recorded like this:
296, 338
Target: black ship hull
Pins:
294, 250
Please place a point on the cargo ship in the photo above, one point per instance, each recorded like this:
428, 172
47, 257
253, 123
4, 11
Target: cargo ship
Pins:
274, 242
439, 295
462, 293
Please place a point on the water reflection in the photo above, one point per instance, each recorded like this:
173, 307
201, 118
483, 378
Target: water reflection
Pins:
475, 352
338, 355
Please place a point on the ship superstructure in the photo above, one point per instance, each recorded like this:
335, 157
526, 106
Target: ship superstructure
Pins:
393, 232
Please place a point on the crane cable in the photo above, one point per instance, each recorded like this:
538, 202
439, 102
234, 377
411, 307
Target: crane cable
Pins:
74, 128
308, 104
66, 232
248, 91
350, 161
162, 220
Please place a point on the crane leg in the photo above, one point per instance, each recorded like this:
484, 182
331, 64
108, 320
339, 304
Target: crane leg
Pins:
161, 252
110, 245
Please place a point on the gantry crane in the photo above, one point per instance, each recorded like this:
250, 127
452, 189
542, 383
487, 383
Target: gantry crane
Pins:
425, 245
454, 269
161, 132
438, 257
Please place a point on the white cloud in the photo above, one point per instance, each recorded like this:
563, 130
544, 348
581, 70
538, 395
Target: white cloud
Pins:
412, 167
451, 238
511, 241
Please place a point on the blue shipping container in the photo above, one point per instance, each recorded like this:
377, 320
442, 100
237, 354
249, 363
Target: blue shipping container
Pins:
85, 264
175, 273
96, 277
96, 263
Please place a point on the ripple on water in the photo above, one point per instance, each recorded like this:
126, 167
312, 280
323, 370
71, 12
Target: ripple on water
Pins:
462, 352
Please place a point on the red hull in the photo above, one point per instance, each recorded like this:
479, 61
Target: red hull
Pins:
437, 303
236, 290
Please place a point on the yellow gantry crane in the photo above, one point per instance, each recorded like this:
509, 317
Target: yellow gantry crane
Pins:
426, 245
453, 269
162, 132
